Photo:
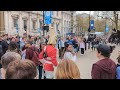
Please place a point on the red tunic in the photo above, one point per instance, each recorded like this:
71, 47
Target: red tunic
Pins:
51, 52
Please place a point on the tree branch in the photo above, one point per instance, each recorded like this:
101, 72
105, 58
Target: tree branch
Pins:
105, 18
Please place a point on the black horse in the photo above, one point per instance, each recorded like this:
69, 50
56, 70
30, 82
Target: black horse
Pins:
114, 37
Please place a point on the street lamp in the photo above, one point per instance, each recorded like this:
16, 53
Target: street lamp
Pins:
105, 24
89, 23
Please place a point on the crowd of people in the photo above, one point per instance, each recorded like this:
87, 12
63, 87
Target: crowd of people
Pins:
34, 57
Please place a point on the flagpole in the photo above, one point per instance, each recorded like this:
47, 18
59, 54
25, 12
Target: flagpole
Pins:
43, 23
37, 21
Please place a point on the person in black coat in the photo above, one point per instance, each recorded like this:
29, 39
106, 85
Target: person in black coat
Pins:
4, 44
1, 54
85, 41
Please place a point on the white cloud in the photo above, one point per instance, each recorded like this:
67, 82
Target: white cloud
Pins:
85, 12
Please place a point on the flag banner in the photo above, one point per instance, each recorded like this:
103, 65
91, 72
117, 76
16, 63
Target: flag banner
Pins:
48, 17
17, 28
91, 24
107, 29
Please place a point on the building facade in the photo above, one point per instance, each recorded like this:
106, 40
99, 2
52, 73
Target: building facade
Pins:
66, 22
14, 22
1, 22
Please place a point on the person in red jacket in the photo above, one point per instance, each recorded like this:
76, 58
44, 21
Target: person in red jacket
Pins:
105, 68
48, 56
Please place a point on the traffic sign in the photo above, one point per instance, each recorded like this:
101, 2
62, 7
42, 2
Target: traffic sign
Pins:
91, 24
107, 29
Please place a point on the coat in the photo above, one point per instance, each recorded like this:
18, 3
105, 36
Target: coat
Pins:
4, 46
51, 53
29, 52
118, 72
104, 69
69, 55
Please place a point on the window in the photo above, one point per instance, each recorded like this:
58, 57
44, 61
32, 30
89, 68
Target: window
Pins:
25, 22
52, 13
57, 26
64, 16
57, 13
41, 25
64, 23
15, 21
34, 24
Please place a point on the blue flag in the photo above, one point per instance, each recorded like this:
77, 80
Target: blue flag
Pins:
107, 29
91, 24
17, 28
48, 17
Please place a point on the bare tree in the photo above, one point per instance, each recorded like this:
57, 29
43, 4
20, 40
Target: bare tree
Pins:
111, 15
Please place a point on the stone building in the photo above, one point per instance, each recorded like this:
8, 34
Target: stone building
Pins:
11, 21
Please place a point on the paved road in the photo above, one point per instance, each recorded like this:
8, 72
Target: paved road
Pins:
86, 61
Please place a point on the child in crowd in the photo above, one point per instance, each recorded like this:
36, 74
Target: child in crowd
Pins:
82, 46
69, 54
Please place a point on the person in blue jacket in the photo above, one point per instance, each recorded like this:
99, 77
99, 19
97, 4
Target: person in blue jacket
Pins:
118, 67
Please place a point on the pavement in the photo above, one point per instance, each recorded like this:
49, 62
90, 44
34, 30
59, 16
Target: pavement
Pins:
85, 62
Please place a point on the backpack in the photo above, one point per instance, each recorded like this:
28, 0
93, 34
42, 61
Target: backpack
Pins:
35, 57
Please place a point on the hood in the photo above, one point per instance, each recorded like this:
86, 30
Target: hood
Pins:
32, 47
107, 65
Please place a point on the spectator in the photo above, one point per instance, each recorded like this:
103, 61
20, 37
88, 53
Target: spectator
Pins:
22, 43
105, 68
23, 53
6, 59
0, 40
118, 67
29, 50
82, 46
1, 51
13, 47
21, 70
93, 43
85, 41
13, 39
75, 44
70, 40
59, 46
4, 44
18, 41
37, 40
69, 54
32, 39
67, 69
41, 73
62, 47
